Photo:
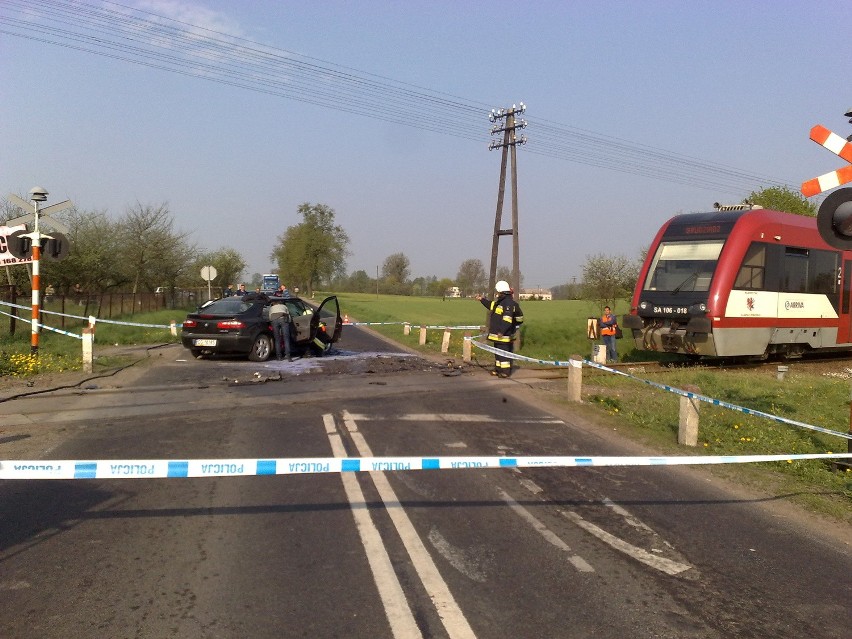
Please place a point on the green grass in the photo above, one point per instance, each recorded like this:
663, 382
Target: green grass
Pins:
58, 353
552, 330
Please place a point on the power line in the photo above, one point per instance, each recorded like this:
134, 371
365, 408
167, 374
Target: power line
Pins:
126, 34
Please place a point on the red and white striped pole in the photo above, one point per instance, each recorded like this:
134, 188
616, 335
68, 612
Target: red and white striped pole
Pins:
38, 195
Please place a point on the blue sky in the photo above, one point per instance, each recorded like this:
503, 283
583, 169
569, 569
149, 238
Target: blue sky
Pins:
737, 85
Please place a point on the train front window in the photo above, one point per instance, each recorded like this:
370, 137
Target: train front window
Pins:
684, 266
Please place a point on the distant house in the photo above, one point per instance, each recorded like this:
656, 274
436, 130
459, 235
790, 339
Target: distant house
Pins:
535, 294
453, 291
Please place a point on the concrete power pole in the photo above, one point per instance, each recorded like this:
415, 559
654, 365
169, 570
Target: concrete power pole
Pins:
505, 122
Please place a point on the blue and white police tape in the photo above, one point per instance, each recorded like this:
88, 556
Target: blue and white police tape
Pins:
669, 389
88, 319
162, 468
44, 326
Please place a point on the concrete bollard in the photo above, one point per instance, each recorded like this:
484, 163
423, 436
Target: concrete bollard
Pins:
422, 335
445, 343
406, 329
782, 372
173, 328
92, 321
687, 426
88, 340
467, 348
575, 379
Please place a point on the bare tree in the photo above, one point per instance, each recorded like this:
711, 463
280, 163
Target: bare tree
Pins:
606, 279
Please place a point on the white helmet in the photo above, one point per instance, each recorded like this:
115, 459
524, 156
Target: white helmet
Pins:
502, 286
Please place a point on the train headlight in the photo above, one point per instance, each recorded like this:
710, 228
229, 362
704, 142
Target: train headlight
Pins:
643, 306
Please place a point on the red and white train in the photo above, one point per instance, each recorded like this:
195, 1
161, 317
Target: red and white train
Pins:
742, 283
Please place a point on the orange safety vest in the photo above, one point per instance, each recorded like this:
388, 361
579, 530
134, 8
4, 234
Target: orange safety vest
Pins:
608, 330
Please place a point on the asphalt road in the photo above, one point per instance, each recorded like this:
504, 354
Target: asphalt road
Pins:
584, 552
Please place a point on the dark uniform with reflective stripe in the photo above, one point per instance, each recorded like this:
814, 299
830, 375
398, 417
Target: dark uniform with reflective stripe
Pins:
506, 316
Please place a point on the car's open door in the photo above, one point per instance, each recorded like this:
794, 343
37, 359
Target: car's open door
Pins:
327, 319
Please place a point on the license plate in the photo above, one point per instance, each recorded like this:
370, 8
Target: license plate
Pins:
204, 342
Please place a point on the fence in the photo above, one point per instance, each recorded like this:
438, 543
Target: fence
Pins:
99, 305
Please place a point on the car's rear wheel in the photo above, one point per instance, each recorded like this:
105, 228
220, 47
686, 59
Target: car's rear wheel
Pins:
261, 349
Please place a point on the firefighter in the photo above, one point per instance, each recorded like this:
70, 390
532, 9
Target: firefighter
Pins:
504, 319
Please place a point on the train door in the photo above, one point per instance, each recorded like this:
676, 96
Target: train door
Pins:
844, 329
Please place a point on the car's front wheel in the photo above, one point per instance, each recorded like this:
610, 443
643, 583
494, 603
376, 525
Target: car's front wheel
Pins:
261, 349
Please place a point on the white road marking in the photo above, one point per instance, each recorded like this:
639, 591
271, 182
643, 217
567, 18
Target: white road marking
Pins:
668, 566
448, 610
400, 617
578, 562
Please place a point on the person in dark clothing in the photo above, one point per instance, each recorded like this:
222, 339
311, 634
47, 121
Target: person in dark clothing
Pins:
279, 316
504, 319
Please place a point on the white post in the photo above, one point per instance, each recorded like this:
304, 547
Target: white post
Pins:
422, 335
687, 427
467, 347
88, 339
445, 343
406, 329
173, 328
575, 379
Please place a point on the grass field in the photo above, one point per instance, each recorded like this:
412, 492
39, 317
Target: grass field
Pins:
552, 330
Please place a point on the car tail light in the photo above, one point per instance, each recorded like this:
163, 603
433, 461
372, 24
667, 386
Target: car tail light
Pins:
230, 324
189, 323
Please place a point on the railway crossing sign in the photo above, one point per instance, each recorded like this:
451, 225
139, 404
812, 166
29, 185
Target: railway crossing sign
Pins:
834, 217
838, 146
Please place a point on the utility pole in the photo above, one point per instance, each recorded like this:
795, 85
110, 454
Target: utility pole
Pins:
505, 122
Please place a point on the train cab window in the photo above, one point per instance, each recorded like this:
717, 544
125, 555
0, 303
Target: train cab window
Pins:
684, 266
752, 273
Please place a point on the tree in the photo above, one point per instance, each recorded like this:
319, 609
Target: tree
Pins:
781, 198
395, 273
313, 250
606, 279
154, 253
471, 277
360, 282
228, 263
96, 260
505, 273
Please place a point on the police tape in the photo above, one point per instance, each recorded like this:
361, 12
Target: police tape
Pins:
162, 468
667, 388
90, 318
44, 326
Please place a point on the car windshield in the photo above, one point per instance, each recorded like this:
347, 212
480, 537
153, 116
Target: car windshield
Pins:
226, 306
683, 266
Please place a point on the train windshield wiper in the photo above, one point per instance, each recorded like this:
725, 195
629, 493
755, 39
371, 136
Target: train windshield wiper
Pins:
692, 276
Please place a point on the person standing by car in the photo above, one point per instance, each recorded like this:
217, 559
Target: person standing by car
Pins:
283, 291
229, 291
279, 316
241, 291
504, 319
608, 325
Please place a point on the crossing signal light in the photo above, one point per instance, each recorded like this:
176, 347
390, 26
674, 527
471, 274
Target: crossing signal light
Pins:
56, 247
834, 219
19, 245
